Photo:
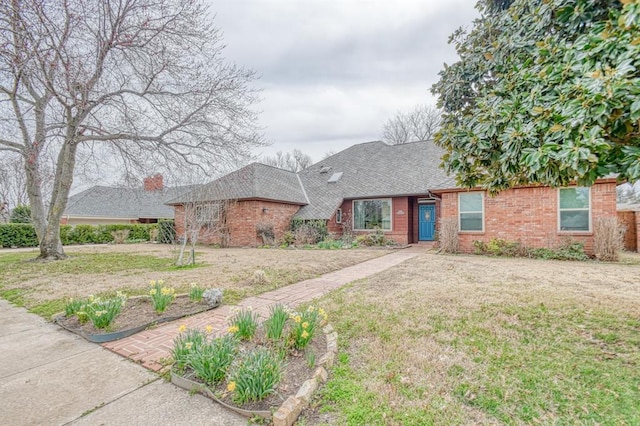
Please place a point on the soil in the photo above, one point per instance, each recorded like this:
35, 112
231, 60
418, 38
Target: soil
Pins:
137, 312
295, 372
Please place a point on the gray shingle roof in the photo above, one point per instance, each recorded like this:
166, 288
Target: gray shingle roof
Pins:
132, 203
253, 181
373, 169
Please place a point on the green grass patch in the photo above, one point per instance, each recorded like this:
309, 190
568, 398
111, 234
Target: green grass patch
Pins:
526, 363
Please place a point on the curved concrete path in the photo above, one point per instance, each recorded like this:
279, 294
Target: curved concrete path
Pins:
51, 377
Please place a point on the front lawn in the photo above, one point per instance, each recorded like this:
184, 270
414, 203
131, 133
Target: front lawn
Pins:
477, 340
104, 269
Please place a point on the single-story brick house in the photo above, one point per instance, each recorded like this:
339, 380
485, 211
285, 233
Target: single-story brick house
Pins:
106, 205
401, 190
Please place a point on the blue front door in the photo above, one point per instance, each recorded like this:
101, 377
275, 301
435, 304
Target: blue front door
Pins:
427, 222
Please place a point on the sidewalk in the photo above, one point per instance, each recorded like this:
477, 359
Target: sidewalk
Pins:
49, 376
149, 347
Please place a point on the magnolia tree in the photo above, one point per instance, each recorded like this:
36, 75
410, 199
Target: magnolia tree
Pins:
544, 92
142, 79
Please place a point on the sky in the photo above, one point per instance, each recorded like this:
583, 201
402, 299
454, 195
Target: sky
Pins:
332, 72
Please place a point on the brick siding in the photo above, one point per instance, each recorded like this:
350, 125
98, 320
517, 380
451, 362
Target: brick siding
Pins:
242, 219
631, 222
530, 215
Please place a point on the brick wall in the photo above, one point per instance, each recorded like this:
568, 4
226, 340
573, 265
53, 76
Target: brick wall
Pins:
631, 221
242, 219
530, 215
402, 217
154, 183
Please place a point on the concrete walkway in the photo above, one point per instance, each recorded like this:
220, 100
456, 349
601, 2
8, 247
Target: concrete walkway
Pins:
49, 376
149, 347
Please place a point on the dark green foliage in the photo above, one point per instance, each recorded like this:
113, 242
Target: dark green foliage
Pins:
24, 235
166, 231
544, 92
21, 214
18, 235
569, 250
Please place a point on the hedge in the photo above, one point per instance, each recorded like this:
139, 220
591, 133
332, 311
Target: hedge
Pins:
24, 235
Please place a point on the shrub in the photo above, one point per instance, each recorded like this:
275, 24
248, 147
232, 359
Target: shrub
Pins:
255, 376
608, 238
288, 239
20, 214
265, 231
120, 236
375, 239
308, 231
244, 324
448, 235
211, 360
18, 235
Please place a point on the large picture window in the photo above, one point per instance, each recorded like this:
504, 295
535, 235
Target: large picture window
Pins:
471, 211
372, 214
574, 209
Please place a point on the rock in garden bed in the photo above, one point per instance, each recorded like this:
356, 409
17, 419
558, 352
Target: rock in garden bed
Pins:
136, 315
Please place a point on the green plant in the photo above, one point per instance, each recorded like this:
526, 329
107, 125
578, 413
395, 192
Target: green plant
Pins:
18, 235
244, 324
274, 325
211, 360
195, 292
161, 296
21, 214
73, 306
308, 231
374, 239
187, 342
288, 239
255, 376
310, 357
305, 324
330, 244
102, 312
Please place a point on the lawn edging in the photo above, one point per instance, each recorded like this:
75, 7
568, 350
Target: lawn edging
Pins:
288, 412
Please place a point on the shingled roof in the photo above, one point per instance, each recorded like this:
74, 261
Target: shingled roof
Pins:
372, 170
123, 203
255, 181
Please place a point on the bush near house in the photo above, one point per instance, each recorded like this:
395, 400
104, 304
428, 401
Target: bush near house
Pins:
24, 234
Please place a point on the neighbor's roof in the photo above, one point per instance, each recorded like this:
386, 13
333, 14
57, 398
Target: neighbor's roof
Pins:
130, 203
372, 170
255, 181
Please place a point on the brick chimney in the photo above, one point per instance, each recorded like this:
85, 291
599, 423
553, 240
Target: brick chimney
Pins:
153, 183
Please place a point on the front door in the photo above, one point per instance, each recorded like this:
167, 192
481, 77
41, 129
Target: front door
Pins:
427, 222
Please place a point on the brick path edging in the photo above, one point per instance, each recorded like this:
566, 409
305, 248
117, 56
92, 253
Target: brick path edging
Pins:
289, 411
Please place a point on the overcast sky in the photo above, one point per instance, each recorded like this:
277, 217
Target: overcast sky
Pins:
333, 71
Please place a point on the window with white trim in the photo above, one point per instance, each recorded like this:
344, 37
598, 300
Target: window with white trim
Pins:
339, 216
207, 213
471, 211
574, 212
372, 214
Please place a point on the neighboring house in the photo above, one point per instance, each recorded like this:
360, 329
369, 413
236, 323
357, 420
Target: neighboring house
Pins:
101, 205
401, 190
629, 217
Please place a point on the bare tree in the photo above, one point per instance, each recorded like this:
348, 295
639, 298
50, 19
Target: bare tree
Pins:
418, 125
13, 188
293, 161
144, 79
202, 219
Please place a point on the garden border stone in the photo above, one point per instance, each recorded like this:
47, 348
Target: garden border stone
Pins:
288, 412
116, 335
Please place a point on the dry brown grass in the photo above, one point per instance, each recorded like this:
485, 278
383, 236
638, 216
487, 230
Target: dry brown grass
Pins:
416, 336
229, 269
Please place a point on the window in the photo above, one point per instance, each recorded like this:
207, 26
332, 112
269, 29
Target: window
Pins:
574, 209
372, 214
207, 213
471, 211
339, 216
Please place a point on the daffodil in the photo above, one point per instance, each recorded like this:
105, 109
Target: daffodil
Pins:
305, 324
233, 329
231, 386
152, 292
304, 334
188, 345
182, 328
298, 318
208, 329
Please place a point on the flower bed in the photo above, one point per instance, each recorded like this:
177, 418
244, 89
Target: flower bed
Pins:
256, 370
